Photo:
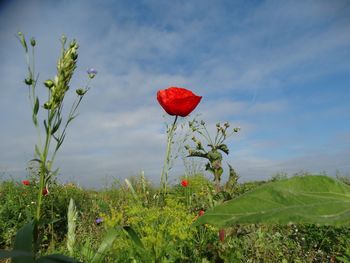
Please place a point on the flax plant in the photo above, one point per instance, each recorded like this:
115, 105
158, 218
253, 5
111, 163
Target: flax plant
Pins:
51, 125
54, 125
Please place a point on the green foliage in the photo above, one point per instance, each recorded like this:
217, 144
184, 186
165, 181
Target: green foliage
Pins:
165, 233
214, 150
301, 199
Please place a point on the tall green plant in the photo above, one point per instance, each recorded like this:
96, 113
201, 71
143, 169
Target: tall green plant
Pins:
51, 131
215, 148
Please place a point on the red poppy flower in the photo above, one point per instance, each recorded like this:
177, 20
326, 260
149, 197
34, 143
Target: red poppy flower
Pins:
25, 182
201, 212
184, 183
178, 101
45, 191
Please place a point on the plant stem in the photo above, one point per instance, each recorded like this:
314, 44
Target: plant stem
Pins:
165, 170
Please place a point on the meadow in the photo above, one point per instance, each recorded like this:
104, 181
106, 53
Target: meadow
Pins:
166, 233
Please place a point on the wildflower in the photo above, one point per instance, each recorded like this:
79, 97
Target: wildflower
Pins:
45, 191
184, 183
25, 182
91, 72
99, 220
178, 101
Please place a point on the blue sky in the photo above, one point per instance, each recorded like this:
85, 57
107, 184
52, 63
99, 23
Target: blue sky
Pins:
280, 70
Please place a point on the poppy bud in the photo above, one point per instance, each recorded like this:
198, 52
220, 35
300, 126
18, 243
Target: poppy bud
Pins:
28, 81
222, 235
45, 192
32, 42
49, 83
202, 123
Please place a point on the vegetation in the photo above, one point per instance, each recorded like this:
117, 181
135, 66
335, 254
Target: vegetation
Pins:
167, 233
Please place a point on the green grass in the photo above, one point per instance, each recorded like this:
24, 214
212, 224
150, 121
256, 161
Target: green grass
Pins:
165, 229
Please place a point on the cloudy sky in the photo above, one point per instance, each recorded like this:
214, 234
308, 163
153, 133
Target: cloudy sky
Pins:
280, 70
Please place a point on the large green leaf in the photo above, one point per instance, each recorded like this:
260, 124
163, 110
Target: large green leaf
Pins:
302, 199
105, 246
24, 242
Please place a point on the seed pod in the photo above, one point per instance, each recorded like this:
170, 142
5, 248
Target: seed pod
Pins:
28, 81
32, 42
49, 83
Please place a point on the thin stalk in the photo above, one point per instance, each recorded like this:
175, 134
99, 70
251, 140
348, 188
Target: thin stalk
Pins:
165, 171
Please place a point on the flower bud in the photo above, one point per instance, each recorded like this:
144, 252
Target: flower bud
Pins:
74, 56
32, 42
237, 129
47, 105
81, 92
218, 125
28, 81
49, 83
92, 73
226, 125
202, 122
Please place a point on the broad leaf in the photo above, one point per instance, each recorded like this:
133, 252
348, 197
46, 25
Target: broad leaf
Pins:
306, 199
24, 243
105, 245
134, 237
15, 254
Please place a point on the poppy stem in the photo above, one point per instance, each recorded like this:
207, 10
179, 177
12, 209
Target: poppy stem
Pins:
165, 171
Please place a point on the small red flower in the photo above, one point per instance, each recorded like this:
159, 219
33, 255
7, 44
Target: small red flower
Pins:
201, 212
45, 191
25, 182
178, 101
184, 183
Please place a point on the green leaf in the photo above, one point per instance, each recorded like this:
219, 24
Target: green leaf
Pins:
56, 258
36, 160
46, 127
14, 254
57, 125
224, 148
35, 120
105, 245
23, 41
134, 237
307, 199
36, 106
37, 151
24, 243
